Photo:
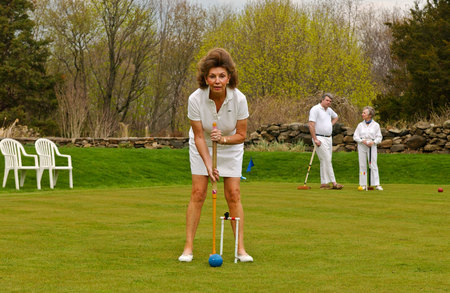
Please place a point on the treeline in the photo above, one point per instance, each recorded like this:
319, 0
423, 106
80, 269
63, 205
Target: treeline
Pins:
95, 67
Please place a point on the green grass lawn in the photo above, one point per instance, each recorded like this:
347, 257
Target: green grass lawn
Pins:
121, 229
106, 168
128, 240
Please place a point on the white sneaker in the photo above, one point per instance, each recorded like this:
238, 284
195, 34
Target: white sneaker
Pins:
379, 187
364, 187
186, 257
245, 258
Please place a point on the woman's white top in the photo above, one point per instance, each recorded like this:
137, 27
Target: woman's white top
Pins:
369, 132
202, 108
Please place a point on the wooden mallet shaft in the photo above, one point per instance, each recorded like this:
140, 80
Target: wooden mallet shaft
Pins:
214, 189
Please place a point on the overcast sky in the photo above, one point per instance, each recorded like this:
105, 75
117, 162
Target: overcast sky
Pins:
403, 4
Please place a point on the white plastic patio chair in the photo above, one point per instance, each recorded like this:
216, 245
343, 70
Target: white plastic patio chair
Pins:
13, 151
47, 150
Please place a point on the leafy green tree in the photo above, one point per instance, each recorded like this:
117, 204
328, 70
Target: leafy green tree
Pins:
420, 85
283, 50
26, 91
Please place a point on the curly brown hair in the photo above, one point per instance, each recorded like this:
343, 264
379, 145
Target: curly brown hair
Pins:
216, 57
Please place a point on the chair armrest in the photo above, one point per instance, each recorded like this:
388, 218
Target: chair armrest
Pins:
57, 152
69, 158
27, 155
36, 162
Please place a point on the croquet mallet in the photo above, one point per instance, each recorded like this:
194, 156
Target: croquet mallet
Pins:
369, 187
307, 173
214, 189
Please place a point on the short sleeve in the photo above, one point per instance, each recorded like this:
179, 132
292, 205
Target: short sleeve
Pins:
313, 114
242, 111
333, 114
193, 109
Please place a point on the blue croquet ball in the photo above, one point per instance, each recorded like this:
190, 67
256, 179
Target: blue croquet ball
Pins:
215, 260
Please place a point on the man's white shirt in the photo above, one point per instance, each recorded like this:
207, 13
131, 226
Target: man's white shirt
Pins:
322, 118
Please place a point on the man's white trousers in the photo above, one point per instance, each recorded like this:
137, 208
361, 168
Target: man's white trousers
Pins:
324, 152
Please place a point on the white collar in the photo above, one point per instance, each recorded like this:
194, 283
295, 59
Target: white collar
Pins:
228, 98
321, 107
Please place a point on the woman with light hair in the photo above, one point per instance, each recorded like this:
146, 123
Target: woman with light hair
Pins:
368, 136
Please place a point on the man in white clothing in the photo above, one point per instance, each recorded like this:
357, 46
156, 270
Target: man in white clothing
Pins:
321, 121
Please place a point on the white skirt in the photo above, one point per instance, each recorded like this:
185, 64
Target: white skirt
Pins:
229, 160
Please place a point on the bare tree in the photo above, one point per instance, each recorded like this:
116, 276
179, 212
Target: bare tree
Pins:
72, 110
121, 61
376, 39
72, 26
180, 31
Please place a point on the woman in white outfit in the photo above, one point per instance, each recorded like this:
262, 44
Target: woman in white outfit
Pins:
217, 100
368, 136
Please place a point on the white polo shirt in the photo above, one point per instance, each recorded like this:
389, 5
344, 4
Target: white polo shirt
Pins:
201, 108
322, 118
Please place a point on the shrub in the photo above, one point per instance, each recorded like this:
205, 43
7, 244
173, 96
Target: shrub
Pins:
265, 146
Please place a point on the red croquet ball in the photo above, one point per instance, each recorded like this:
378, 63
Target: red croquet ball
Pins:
440, 190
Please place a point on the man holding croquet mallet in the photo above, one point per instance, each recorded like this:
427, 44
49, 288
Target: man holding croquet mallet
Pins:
321, 121
368, 136
217, 102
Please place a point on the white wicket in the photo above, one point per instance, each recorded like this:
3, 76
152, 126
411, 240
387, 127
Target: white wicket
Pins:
237, 236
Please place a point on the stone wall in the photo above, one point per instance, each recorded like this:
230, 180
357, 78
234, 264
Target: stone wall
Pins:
125, 142
422, 137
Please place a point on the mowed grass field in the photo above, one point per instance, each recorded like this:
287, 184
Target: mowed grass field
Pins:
127, 239
115, 240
